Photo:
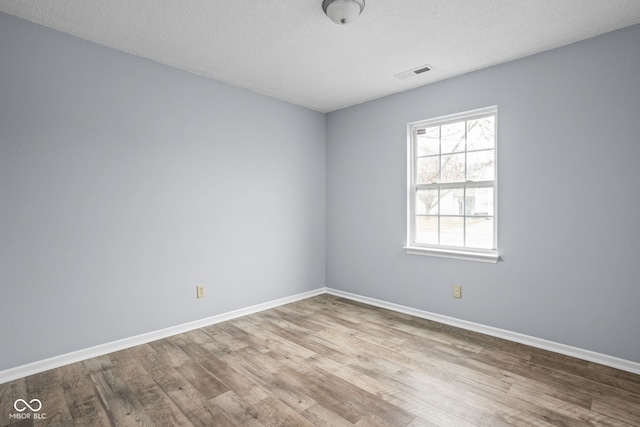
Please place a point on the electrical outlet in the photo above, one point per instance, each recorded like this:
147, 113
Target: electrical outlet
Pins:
200, 291
457, 291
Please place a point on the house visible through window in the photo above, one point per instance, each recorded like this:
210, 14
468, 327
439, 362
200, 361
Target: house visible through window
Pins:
452, 186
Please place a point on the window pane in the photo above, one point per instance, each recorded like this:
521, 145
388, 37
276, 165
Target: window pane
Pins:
452, 201
481, 133
451, 231
479, 201
480, 233
453, 137
452, 168
428, 169
427, 202
481, 166
427, 230
428, 141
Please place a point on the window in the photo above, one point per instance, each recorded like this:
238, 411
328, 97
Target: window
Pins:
452, 203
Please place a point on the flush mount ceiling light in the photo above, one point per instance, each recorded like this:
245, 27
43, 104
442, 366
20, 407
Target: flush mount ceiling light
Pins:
343, 11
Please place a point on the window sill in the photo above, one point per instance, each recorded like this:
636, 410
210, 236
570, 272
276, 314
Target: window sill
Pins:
490, 257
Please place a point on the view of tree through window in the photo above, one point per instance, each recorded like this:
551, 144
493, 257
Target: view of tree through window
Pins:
453, 182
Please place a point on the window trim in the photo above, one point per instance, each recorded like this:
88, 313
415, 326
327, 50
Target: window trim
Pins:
464, 253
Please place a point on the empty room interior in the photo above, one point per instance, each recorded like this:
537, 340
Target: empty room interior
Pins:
308, 212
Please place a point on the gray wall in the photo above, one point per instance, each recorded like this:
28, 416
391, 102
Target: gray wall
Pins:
124, 183
569, 204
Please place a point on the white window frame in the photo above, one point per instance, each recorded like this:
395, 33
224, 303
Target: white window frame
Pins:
465, 253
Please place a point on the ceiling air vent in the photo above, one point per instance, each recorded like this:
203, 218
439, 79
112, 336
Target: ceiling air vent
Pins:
410, 73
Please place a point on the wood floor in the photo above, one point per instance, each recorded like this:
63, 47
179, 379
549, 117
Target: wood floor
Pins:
327, 361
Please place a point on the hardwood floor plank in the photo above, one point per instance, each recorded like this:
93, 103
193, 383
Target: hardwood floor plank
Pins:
614, 377
9, 393
160, 408
419, 422
159, 367
171, 354
619, 410
122, 405
98, 364
238, 411
193, 405
507, 413
301, 322
298, 337
201, 379
229, 378
430, 403
241, 336
220, 342
333, 402
565, 412
263, 368
272, 412
274, 343
320, 416
81, 396
48, 389
327, 387
572, 396
197, 408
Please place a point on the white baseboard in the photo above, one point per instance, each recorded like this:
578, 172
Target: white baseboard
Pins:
102, 349
591, 356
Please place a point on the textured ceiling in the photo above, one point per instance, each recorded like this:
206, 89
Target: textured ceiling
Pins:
290, 50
